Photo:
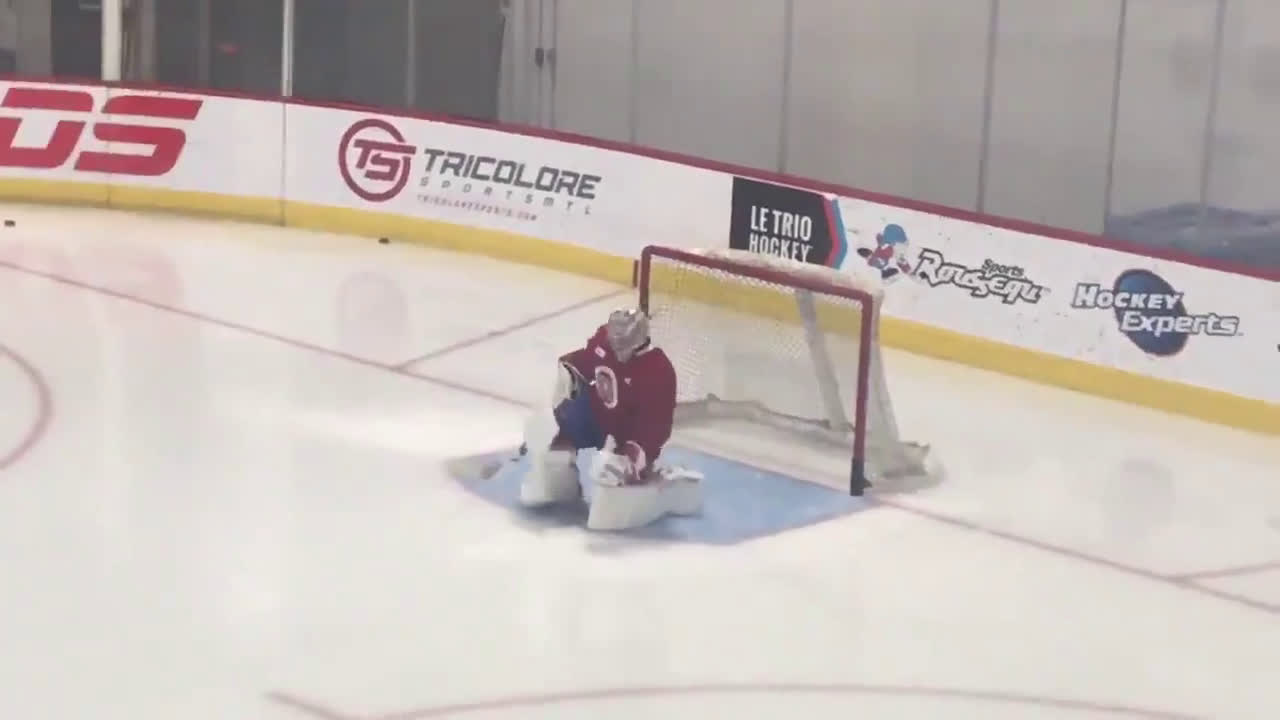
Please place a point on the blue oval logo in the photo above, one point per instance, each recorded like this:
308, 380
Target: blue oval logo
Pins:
1149, 339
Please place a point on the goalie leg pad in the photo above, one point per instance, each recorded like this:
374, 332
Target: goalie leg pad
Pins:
552, 479
672, 491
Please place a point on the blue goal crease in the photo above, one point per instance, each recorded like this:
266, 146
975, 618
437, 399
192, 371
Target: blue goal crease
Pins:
741, 502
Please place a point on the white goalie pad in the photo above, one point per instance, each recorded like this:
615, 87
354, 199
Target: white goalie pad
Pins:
551, 479
672, 491
552, 476
540, 428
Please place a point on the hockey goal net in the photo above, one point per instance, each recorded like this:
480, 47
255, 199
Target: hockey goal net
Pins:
774, 342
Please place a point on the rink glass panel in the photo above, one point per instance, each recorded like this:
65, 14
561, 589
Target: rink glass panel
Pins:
1149, 120
441, 56
1152, 121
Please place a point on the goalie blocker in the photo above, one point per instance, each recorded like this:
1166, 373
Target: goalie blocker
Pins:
616, 394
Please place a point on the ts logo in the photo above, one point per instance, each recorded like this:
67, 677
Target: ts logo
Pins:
376, 151
69, 112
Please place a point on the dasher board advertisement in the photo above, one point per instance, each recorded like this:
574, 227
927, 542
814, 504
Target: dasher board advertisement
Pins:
785, 221
614, 202
1131, 312
140, 138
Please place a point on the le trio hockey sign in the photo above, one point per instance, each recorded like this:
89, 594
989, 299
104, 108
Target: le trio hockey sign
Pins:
153, 147
785, 221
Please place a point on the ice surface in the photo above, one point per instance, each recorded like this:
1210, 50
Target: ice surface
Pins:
236, 507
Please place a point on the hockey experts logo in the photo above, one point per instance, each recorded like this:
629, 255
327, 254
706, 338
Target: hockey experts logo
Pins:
377, 162
1151, 313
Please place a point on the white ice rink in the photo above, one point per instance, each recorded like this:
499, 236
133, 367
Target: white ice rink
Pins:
221, 497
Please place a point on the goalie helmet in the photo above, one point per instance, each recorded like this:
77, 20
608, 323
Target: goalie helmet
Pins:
627, 332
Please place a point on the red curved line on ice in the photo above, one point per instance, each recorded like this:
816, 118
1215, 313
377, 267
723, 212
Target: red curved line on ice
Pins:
515, 704
44, 409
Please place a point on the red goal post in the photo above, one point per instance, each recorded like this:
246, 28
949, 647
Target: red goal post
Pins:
781, 343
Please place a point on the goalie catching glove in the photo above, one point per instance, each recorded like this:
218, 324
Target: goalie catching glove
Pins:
619, 468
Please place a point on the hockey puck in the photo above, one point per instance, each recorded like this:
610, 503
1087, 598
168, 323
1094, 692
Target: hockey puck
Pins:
383, 240
9, 223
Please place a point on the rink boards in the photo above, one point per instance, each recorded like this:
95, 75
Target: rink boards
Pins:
1171, 333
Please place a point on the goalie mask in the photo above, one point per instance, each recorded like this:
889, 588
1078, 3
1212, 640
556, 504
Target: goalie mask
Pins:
627, 332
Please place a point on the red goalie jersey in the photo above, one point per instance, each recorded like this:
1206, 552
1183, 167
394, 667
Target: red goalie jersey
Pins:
633, 400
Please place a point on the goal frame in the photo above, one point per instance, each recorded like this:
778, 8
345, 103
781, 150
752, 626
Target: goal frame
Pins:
867, 312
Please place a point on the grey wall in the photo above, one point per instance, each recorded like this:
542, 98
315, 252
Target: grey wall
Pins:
1052, 111
437, 55
1050, 119
1068, 113
883, 95
34, 47
671, 74
1246, 139
1163, 103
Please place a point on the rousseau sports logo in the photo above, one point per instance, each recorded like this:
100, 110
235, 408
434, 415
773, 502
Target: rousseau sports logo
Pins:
1007, 282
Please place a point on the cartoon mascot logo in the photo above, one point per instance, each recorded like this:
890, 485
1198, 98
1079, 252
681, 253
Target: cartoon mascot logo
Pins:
889, 256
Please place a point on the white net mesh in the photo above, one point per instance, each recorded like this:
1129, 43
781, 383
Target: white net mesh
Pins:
775, 342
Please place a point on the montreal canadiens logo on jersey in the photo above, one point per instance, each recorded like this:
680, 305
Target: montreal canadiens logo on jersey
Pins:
607, 386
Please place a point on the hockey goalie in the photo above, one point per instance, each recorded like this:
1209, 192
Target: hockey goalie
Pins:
617, 395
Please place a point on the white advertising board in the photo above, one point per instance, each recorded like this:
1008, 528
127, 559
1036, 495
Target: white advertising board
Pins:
1168, 320
609, 201
140, 138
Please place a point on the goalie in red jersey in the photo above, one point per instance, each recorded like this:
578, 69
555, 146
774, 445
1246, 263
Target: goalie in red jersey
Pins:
617, 395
